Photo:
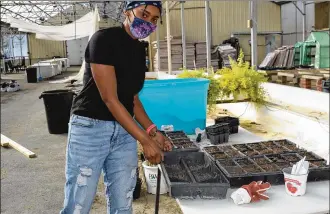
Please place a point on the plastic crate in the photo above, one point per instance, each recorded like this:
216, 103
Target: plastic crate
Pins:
192, 175
178, 102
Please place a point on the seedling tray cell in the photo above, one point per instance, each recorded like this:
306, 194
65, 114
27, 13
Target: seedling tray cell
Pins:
292, 157
319, 163
206, 180
176, 134
235, 170
250, 152
276, 158
252, 169
270, 167
226, 148
287, 144
241, 147
212, 149
227, 162
243, 162
265, 151
269, 144
219, 155
280, 149
309, 156
184, 144
261, 160
283, 165
176, 173
256, 146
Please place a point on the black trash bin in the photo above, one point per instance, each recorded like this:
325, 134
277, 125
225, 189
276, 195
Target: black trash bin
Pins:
31, 75
58, 106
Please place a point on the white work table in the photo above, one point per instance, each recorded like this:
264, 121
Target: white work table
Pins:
315, 201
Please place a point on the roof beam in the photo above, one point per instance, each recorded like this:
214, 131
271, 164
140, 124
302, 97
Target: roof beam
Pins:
19, 15
41, 10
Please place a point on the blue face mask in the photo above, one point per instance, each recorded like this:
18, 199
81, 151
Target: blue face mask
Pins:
141, 29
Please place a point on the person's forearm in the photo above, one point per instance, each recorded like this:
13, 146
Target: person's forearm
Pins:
140, 114
125, 119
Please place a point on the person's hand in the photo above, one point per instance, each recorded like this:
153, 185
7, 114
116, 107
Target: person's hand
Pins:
251, 193
152, 152
163, 142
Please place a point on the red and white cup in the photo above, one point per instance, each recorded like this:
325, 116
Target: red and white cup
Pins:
295, 185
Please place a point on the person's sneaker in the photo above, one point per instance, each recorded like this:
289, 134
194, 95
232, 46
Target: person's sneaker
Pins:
4, 87
13, 86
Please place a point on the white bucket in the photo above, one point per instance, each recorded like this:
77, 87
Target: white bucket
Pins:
150, 174
295, 185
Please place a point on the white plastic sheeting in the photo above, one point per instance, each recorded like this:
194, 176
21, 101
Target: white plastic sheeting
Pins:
75, 30
92, 29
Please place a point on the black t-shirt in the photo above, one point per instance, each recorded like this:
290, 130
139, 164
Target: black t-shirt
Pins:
111, 46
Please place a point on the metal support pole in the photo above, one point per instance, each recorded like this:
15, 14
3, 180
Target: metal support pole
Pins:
75, 21
183, 32
208, 36
253, 18
168, 35
304, 20
158, 49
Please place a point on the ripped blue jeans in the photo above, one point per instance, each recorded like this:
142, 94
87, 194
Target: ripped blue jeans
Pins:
93, 146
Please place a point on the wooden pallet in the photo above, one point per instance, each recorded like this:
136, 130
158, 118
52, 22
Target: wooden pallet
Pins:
283, 78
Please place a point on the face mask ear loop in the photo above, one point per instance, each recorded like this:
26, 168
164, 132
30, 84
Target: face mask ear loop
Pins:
133, 15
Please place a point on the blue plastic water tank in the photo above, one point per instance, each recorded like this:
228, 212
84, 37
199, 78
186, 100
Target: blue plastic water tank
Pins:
178, 102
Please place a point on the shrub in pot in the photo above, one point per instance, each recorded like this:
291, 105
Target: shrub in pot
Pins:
242, 80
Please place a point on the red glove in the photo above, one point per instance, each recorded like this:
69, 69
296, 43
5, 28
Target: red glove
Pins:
256, 190
251, 193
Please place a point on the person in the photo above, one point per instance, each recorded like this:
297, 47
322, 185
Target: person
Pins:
108, 118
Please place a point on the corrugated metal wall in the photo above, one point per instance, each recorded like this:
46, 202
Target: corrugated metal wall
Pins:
40, 49
292, 22
227, 17
322, 15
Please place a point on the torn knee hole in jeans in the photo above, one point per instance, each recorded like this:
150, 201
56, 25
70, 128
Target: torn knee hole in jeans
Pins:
81, 190
133, 172
77, 209
84, 174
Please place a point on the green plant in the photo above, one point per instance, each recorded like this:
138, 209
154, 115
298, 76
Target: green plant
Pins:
242, 80
214, 87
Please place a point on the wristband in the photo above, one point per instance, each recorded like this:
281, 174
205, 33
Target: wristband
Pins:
150, 128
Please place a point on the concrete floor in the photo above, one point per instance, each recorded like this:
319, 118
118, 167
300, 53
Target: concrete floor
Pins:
30, 185
35, 186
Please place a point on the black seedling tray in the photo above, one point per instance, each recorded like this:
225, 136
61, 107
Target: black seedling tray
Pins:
181, 142
271, 158
192, 175
232, 121
219, 138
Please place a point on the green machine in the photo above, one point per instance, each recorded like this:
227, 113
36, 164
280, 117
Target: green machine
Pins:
314, 52
321, 51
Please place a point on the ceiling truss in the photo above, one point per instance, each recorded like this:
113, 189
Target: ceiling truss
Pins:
42, 12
